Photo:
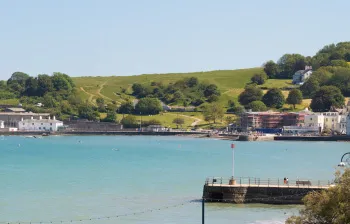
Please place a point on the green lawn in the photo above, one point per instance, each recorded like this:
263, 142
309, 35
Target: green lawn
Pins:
10, 102
277, 83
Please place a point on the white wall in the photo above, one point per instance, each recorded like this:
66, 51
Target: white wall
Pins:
39, 125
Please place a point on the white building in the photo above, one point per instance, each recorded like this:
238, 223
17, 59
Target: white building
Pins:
2, 124
348, 124
40, 124
327, 120
302, 75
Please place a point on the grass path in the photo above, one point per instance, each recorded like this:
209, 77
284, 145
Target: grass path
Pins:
90, 95
196, 119
99, 91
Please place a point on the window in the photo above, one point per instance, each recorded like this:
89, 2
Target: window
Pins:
32, 123
39, 128
310, 118
23, 123
51, 124
326, 119
42, 124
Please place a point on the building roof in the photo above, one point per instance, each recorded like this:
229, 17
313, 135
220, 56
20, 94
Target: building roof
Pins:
16, 109
24, 114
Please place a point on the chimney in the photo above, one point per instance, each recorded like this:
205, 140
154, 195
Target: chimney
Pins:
40, 118
49, 118
31, 118
54, 117
22, 119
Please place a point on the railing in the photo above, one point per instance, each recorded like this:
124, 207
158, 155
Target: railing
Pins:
269, 182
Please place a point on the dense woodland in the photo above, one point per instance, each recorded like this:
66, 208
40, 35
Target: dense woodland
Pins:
327, 85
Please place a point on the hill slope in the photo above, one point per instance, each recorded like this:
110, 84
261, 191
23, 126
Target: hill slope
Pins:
230, 83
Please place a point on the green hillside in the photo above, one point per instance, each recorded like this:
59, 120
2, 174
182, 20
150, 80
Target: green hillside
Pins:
230, 83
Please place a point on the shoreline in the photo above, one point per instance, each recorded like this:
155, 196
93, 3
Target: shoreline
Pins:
340, 138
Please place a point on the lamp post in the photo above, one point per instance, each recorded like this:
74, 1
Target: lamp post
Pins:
345, 160
140, 122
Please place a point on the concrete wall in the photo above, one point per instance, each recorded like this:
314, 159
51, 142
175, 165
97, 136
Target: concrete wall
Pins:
92, 126
266, 195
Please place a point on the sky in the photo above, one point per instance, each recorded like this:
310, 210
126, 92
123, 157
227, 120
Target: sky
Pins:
132, 37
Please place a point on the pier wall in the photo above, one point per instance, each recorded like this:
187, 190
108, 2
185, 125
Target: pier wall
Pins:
256, 194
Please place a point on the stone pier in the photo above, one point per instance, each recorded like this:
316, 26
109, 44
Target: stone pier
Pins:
254, 190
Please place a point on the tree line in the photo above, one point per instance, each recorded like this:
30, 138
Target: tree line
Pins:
187, 91
336, 55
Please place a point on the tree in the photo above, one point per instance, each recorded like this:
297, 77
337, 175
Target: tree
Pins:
44, 84
257, 106
251, 93
61, 83
322, 76
340, 63
111, 116
18, 77
259, 78
129, 121
17, 81
31, 87
327, 206
192, 82
213, 112
274, 98
310, 87
87, 112
140, 90
148, 106
126, 107
325, 98
211, 89
295, 97
290, 63
271, 69
179, 121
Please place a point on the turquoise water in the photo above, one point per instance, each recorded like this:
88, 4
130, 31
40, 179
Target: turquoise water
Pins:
63, 178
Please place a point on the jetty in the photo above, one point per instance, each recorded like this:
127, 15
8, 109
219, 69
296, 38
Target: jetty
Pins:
255, 190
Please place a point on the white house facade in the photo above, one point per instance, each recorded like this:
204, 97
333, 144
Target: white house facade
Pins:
40, 124
327, 120
302, 75
2, 124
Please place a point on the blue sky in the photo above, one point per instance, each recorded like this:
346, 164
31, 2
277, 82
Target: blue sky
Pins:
111, 37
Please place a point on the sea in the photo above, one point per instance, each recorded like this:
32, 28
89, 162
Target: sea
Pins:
147, 179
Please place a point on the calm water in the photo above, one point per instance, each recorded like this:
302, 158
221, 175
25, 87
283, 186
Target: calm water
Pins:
81, 177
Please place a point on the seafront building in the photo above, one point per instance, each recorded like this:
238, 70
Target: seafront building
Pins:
303, 122
40, 124
11, 119
271, 122
328, 120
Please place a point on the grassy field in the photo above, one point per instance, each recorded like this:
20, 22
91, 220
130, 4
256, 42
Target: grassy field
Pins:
230, 83
277, 83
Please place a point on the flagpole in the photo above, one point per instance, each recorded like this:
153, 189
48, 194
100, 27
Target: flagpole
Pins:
233, 162
232, 181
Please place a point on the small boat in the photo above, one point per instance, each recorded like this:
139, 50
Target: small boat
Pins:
45, 134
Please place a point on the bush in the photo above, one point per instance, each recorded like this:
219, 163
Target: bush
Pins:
259, 78
148, 106
129, 121
257, 106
